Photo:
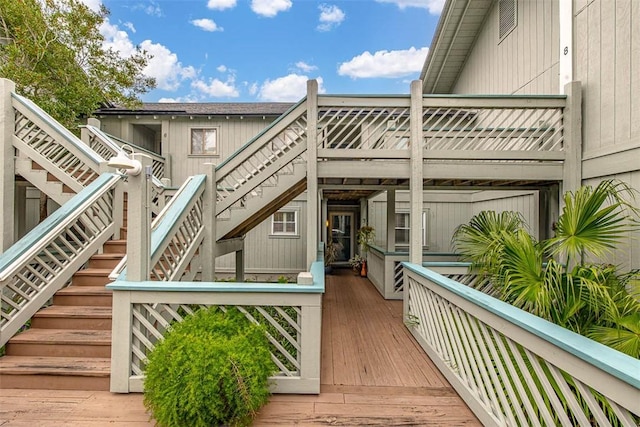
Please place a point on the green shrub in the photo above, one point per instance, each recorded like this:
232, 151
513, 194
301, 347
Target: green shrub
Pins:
211, 369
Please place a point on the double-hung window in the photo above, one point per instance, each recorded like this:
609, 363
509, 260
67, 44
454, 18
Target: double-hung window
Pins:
285, 223
204, 142
403, 229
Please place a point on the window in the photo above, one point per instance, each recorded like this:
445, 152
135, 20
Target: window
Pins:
284, 223
204, 142
507, 16
403, 228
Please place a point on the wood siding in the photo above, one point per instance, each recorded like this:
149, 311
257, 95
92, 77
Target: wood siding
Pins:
523, 62
607, 46
448, 210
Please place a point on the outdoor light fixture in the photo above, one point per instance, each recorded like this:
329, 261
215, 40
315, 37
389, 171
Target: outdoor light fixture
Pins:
123, 161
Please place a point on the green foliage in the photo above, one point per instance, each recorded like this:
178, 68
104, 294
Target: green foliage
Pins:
595, 300
211, 369
55, 54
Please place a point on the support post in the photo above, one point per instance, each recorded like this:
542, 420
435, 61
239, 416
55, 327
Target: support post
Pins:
85, 135
324, 218
312, 172
572, 169
391, 220
138, 224
122, 321
7, 154
240, 264
209, 214
416, 185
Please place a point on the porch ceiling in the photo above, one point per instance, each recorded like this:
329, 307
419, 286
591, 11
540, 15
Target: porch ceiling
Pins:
354, 189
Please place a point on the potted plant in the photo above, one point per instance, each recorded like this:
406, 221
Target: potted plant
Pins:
366, 234
330, 255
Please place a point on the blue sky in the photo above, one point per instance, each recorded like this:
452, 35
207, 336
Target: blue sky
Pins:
265, 50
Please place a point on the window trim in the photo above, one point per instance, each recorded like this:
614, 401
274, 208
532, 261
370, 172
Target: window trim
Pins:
425, 228
296, 222
216, 129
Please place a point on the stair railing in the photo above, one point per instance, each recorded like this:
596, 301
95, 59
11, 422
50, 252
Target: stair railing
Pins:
176, 235
109, 145
45, 259
262, 157
52, 146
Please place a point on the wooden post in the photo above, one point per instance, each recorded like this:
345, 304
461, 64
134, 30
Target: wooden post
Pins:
391, 221
240, 264
7, 154
572, 169
310, 345
209, 214
416, 186
121, 342
312, 172
85, 135
138, 224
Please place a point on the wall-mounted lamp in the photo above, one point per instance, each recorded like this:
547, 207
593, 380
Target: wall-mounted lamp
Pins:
123, 161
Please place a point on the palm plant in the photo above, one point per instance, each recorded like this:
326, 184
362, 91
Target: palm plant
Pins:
552, 279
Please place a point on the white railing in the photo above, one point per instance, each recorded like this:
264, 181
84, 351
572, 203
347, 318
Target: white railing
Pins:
493, 127
384, 269
176, 234
43, 140
513, 368
44, 260
290, 313
108, 146
363, 124
261, 159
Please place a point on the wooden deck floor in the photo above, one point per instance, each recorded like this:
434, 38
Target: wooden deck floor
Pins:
373, 373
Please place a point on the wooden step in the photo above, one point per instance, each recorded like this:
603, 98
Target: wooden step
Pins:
91, 277
109, 260
61, 343
115, 247
73, 317
55, 373
97, 296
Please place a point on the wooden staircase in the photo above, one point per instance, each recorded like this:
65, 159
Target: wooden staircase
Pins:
68, 346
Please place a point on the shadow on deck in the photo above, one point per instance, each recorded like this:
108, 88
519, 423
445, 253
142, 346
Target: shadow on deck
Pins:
373, 373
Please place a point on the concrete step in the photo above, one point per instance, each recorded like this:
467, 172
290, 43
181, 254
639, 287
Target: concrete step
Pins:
55, 373
61, 343
73, 317
91, 277
96, 296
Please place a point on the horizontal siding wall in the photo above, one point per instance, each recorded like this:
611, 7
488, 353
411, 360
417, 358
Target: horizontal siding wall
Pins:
524, 62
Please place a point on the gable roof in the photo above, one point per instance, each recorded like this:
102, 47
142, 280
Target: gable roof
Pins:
459, 25
201, 109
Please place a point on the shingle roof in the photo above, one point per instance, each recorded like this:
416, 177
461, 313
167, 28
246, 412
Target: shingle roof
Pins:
202, 109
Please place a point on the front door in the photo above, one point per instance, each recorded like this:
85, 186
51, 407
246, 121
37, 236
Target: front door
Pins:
341, 230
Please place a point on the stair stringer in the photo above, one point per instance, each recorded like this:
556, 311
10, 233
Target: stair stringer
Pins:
257, 209
38, 178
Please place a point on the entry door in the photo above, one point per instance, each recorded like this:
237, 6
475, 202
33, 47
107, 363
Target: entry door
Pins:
341, 230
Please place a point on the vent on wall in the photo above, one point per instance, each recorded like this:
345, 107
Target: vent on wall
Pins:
507, 16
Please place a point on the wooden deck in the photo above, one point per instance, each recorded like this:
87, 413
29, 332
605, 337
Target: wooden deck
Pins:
373, 373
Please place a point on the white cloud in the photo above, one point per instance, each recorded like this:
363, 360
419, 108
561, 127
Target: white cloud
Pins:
222, 68
433, 6
152, 8
304, 67
164, 65
221, 4
289, 88
253, 88
270, 8
188, 98
206, 25
385, 63
330, 17
217, 88
129, 26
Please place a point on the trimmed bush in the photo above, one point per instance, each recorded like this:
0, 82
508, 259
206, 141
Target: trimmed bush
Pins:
211, 369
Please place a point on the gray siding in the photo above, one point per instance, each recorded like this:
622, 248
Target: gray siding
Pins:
524, 62
447, 210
